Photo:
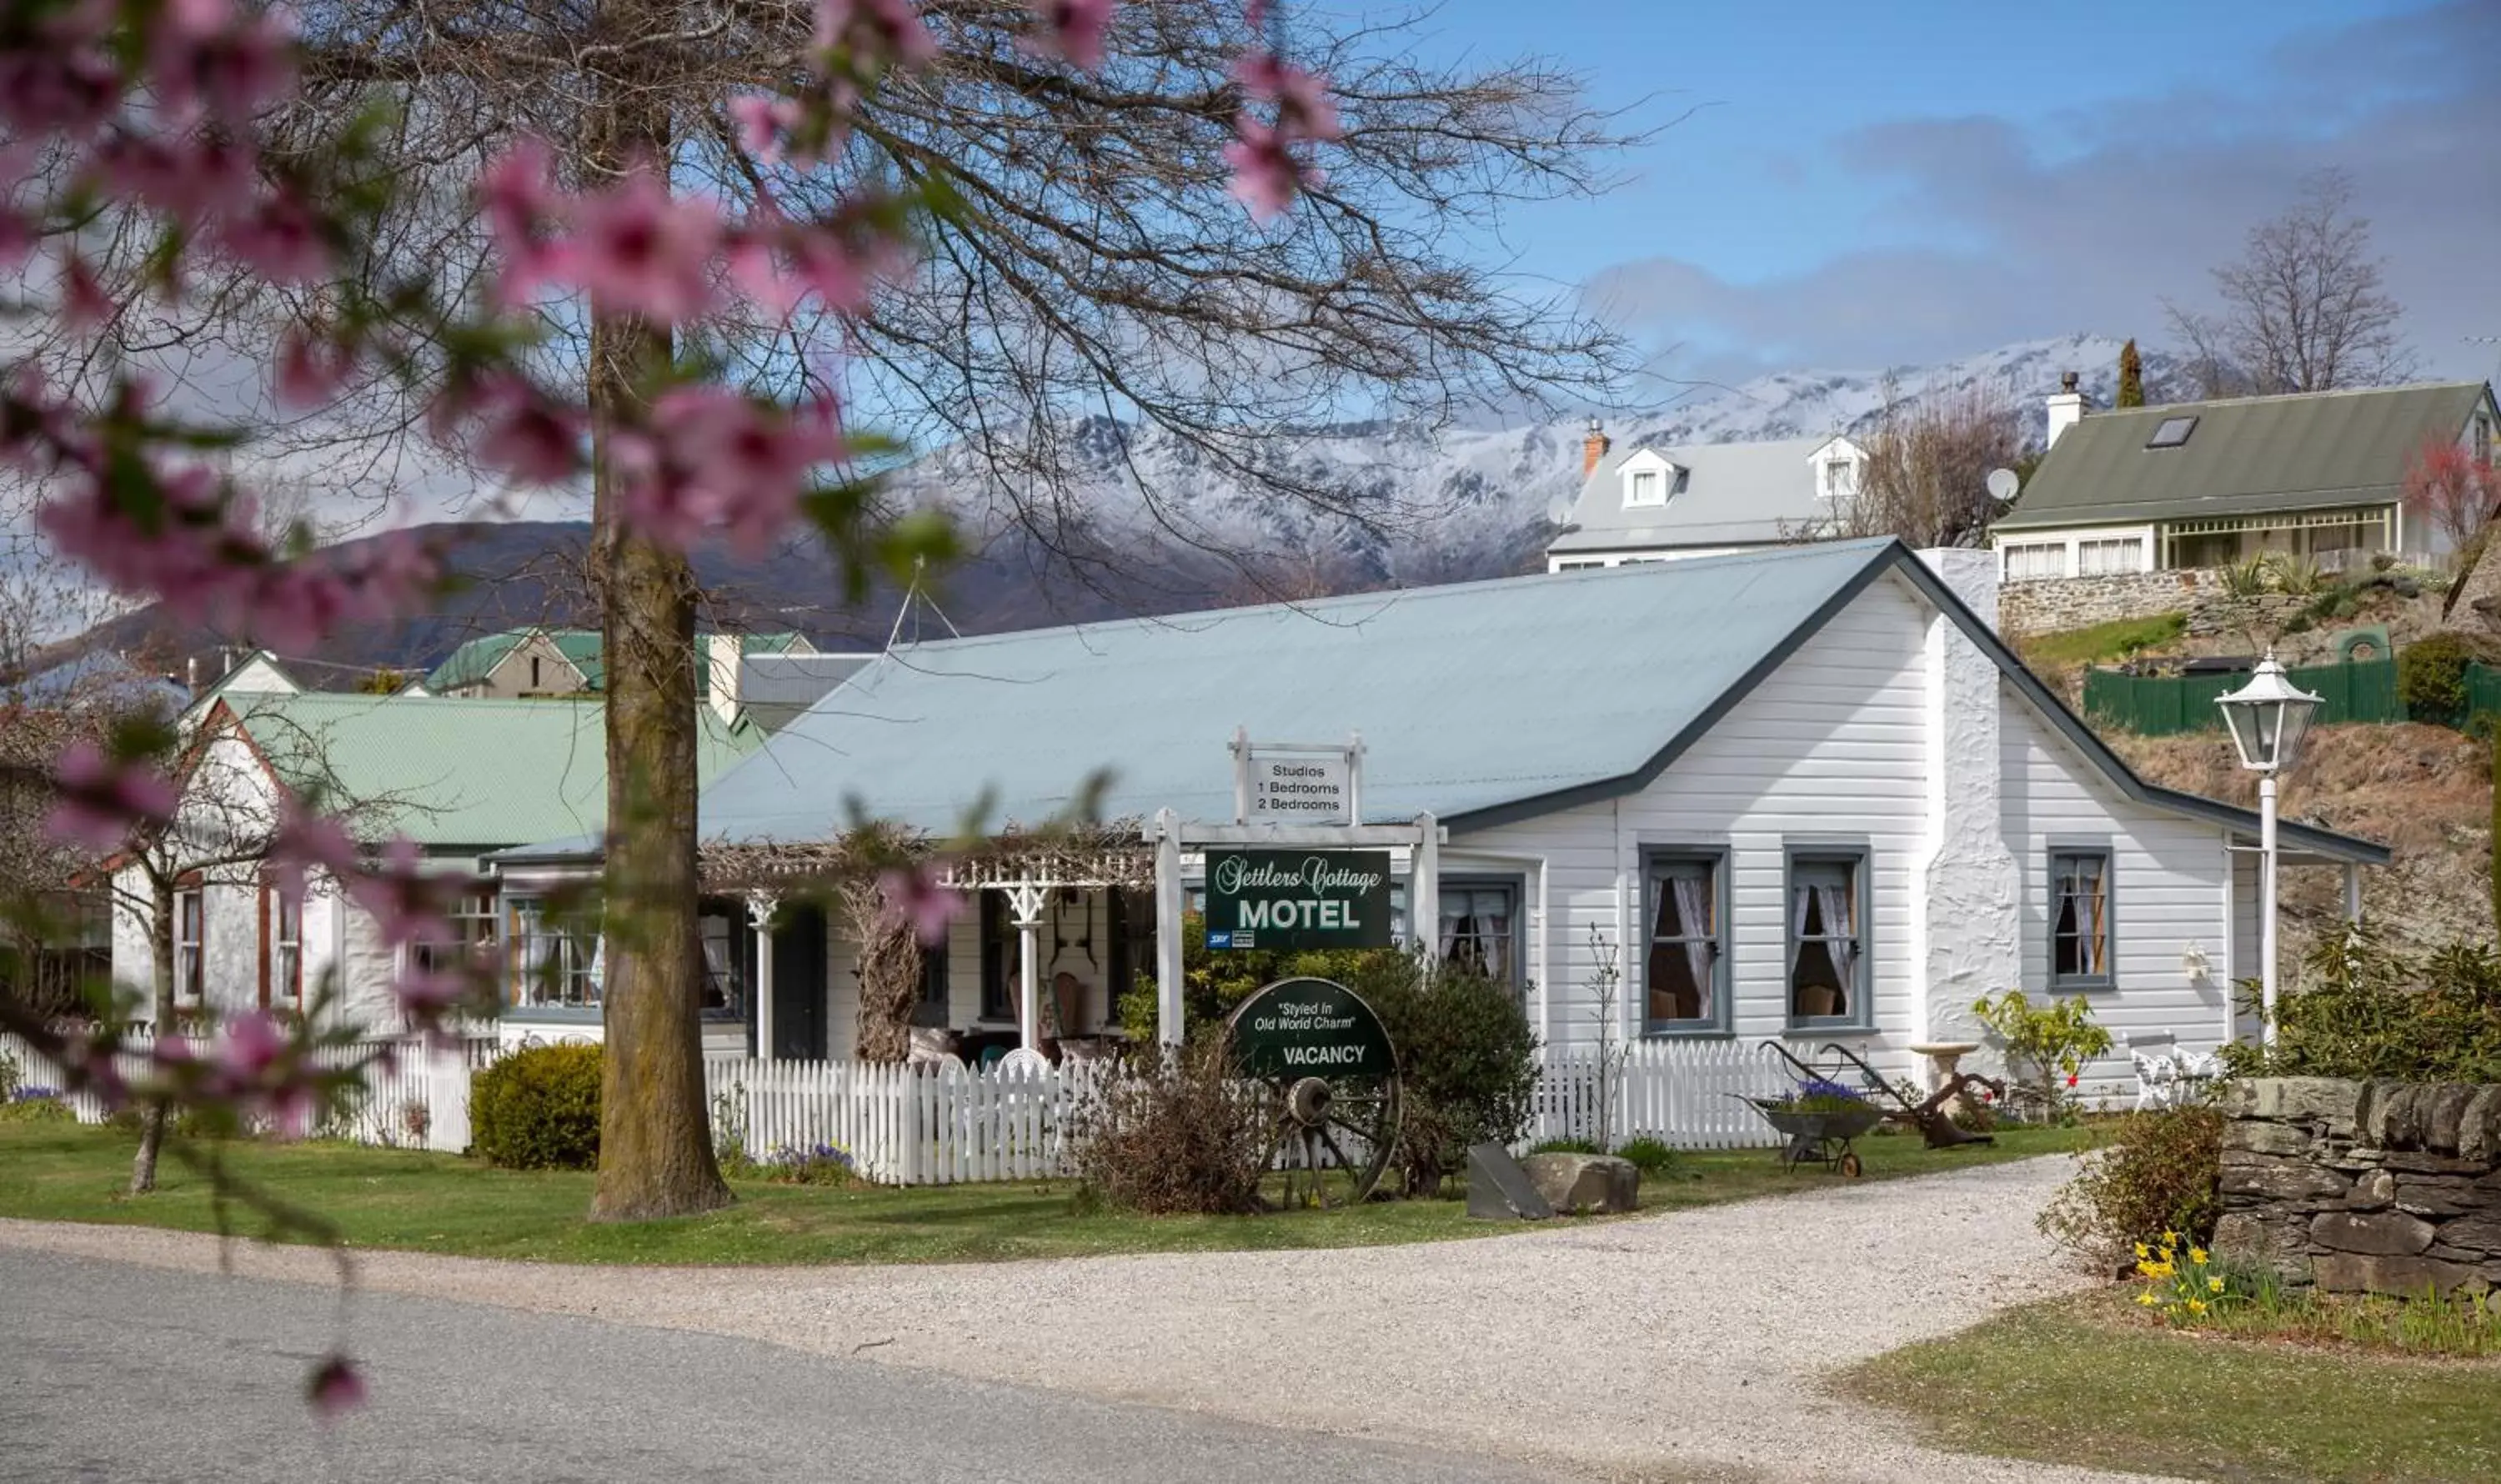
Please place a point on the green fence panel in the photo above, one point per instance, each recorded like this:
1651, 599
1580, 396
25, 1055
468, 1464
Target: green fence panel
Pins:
2166, 706
2482, 691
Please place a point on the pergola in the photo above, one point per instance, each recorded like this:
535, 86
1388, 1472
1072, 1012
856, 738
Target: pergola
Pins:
1026, 866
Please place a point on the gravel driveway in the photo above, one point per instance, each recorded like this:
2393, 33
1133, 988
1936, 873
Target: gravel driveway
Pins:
1683, 1346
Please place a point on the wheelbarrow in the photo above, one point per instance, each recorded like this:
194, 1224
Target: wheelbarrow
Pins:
1819, 1135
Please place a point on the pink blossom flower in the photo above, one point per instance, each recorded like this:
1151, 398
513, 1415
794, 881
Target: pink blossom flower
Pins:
208, 54
98, 800
1304, 110
84, 304
246, 1047
879, 31
171, 1050
190, 177
335, 1386
711, 461
1072, 29
311, 369
277, 239
526, 434
516, 199
638, 250
1265, 172
66, 87
778, 262
762, 118
912, 894
306, 842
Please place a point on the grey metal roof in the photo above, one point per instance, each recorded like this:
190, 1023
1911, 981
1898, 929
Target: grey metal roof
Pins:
1477, 701
1732, 494
775, 690
2246, 455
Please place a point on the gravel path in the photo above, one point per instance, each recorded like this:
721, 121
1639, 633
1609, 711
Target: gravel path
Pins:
1683, 1346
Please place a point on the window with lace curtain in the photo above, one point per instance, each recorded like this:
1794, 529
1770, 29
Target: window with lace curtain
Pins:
2080, 920
1830, 977
1684, 963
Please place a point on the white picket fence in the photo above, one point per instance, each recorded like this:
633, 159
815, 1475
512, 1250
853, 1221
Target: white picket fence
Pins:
1685, 1093
949, 1125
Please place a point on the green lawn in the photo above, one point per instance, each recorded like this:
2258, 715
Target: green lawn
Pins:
2089, 1382
2102, 643
432, 1202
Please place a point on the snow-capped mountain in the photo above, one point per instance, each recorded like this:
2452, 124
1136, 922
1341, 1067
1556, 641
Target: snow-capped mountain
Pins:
1443, 504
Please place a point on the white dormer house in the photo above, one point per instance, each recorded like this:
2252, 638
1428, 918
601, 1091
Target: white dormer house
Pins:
1649, 480
1838, 466
1647, 503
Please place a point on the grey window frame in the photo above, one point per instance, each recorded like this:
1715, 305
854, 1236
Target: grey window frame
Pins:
1860, 854
2155, 441
192, 955
1516, 971
2056, 848
1723, 978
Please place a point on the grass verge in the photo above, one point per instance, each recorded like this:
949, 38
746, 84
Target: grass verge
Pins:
2086, 1382
434, 1202
2101, 643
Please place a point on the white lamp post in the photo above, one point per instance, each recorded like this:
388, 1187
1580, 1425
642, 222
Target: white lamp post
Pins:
2268, 717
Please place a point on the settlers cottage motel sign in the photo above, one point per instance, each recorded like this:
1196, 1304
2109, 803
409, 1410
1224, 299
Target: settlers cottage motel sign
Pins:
1298, 898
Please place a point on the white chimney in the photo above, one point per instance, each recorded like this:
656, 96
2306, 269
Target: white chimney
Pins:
1966, 892
2066, 409
721, 653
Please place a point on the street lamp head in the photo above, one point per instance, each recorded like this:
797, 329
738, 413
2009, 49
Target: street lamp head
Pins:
2268, 717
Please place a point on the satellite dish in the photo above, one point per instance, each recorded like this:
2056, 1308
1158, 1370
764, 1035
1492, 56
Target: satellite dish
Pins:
2002, 485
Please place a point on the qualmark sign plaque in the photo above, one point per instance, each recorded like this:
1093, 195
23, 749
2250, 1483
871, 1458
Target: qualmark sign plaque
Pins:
1310, 1028
1298, 898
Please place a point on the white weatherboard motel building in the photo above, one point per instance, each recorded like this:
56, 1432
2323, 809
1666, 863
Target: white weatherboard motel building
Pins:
1803, 793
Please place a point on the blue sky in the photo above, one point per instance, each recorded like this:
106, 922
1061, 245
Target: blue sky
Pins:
1868, 184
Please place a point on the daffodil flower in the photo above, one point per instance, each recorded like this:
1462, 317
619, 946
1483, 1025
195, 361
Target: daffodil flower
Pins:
2197, 1254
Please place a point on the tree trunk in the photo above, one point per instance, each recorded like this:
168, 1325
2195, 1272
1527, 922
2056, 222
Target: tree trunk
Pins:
655, 1156
160, 955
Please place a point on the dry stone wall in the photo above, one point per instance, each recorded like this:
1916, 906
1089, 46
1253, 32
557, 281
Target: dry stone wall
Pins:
2378, 1187
2052, 605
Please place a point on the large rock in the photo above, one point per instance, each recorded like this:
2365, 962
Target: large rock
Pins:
2257, 1175
2256, 1135
2434, 1194
2390, 1233
2479, 1127
1585, 1183
2373, 1190
2246, 1236
2354, 1273
2328, 1100
2474, 1233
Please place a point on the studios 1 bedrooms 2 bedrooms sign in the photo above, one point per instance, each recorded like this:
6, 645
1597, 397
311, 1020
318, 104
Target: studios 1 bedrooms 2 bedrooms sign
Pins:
1298, 898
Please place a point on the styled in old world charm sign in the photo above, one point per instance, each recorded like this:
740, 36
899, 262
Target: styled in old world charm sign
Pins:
1310, 1028
1298, 898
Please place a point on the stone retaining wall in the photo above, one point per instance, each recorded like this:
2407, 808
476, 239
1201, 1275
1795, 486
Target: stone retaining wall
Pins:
2056, 604
2383, 1187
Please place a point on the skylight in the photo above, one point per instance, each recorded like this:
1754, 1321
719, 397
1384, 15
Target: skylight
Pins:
2173, 432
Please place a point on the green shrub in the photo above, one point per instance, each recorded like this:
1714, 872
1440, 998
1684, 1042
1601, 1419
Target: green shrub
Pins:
2155, 1172
538, 1109
2366, 1009
2045, 1046
1467, 1065
1172, 1139
36, 1109
1563, 1146
1212, 983
2431, 676
1650, 1156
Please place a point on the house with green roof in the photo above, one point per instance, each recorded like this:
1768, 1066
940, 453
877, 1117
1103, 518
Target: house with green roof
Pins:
1803, 793
460, 777
2191, 485
528, 664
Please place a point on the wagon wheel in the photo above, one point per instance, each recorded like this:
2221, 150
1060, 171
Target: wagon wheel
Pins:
1849, 1166
1331, 1137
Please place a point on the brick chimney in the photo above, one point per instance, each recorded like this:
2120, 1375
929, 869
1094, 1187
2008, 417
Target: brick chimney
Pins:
2066, 409
1594, 447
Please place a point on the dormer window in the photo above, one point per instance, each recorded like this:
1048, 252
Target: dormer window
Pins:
1840, 478
1645, 489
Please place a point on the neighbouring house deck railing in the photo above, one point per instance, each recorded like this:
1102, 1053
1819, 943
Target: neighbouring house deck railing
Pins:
948, 1126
